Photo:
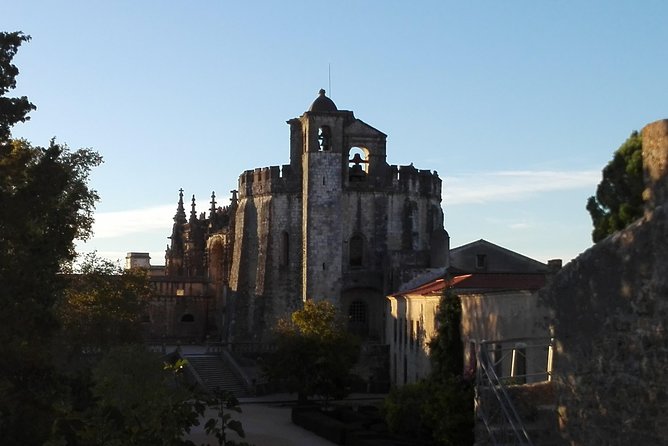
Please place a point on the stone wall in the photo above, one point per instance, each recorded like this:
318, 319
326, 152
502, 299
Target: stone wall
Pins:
175, 319
295, 225
609, 317
410, 326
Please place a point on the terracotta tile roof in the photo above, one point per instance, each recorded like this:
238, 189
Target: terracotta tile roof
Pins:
482, 282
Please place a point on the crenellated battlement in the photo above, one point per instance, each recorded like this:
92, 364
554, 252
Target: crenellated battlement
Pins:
264, 180
336, 222
409, 179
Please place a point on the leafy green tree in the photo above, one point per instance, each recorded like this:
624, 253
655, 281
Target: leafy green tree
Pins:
446, 350
102, 306
45, 203
449, 409
619, 201
137, 399
314, 353
403, 410
12, 110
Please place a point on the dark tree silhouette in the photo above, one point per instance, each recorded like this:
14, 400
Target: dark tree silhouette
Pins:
619, 201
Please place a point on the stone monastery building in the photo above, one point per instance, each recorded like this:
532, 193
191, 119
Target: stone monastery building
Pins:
338, 223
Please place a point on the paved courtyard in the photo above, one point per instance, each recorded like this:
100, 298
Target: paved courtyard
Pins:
266, 424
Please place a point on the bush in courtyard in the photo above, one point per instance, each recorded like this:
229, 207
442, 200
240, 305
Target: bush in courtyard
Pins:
403, 411
314, 352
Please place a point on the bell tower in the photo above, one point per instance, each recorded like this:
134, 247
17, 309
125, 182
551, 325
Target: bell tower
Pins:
323, 158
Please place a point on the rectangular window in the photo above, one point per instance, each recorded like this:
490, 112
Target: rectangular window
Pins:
480, 261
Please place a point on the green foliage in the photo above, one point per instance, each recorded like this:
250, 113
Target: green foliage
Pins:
45, 204
449, 411
225, 403
314, 352
102, 306
618, 201
437, 411
135, 401
403, 410
50, 316
446, 350
12, 110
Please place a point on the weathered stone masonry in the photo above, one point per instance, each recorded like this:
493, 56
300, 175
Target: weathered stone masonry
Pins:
610, 316
336, 223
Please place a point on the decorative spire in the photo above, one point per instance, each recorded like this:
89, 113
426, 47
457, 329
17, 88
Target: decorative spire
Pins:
234, 200
180, 216
212, 209
193, 213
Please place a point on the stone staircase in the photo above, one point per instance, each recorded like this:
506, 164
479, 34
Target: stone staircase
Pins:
214, 373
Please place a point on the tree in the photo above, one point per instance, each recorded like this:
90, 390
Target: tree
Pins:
45, 203
12, 110
446, 350
314, 352
102, 306
138, 400
450, 408
619, 201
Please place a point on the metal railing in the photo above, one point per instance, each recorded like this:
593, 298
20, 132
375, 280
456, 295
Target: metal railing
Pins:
502, 363
241, 347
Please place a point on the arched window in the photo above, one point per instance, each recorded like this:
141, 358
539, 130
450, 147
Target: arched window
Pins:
358, 164
325, 138
356, 250
187, 318
216, 260
358, 318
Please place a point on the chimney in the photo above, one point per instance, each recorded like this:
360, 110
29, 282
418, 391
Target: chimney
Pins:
554, 265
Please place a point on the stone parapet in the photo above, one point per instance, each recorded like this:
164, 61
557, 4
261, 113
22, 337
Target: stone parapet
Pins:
265, 180
410, 179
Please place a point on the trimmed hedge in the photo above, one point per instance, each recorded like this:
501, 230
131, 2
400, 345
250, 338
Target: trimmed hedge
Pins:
346, 427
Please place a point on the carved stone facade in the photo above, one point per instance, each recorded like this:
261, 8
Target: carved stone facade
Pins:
338, 223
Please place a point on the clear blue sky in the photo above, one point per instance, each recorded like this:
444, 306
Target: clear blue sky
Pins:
517, 104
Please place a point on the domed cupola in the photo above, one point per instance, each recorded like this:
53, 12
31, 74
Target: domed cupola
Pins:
323, 104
